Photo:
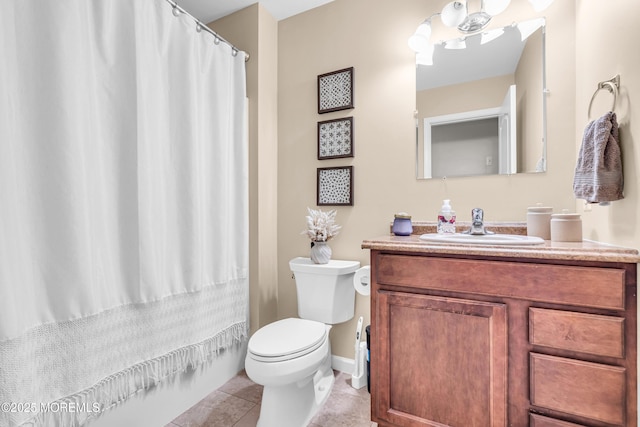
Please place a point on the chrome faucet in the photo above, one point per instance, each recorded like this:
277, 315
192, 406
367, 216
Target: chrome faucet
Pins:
477, 223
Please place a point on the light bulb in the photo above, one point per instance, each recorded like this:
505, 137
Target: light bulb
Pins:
453, 14
419, 41
494, 7
540, 5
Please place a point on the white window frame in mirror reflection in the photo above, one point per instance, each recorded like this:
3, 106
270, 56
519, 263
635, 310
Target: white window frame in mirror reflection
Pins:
447, 119
506, 118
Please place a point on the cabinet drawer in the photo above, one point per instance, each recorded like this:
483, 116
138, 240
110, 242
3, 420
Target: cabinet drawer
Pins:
580, 286
586, 333
536, 420
580, 388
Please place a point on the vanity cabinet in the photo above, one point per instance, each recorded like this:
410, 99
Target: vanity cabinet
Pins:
440, 352
500, 338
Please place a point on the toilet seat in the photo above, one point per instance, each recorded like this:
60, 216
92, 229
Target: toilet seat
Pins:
286, 339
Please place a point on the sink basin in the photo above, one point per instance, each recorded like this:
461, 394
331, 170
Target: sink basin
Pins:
482, 239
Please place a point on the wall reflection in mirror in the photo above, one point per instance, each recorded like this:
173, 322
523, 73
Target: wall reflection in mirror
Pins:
481, 107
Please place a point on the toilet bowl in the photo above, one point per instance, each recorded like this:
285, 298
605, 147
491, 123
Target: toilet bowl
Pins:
298, 378
291, 358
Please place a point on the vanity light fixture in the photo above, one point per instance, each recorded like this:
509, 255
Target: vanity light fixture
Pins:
495, 7
455, 14
540, 5
476, 21
419, 41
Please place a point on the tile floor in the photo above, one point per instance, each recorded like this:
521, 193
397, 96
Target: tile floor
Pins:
237, 404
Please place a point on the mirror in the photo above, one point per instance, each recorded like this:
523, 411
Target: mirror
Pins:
481, 107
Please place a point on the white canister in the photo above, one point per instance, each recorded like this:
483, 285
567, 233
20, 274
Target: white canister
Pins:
566, 227
539, 222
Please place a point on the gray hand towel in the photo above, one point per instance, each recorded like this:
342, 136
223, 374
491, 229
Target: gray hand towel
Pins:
598, 177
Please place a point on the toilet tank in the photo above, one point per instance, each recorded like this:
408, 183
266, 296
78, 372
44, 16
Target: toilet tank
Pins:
325, 291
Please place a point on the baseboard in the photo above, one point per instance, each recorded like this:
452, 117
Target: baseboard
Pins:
342, 364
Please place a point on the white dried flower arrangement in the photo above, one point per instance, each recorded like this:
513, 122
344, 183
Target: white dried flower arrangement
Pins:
321, 225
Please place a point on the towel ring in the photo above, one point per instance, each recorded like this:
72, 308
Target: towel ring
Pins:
612, 86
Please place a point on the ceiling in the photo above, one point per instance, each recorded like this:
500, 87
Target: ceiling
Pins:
210, 10
477, 61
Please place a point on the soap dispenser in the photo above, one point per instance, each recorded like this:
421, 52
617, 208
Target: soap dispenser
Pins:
446, 219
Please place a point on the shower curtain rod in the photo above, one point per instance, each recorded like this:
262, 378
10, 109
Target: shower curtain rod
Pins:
200, 26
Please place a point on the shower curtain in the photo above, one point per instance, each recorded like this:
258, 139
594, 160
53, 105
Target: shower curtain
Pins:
123, 203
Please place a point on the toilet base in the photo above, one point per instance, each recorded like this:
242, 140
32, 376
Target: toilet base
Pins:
294, 405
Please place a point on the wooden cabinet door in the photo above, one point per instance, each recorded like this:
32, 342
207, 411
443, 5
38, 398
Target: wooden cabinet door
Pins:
439, 361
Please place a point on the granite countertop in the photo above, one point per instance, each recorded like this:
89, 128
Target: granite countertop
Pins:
574, 251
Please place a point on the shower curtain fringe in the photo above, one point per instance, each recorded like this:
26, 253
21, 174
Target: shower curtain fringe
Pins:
117, 388
118, 266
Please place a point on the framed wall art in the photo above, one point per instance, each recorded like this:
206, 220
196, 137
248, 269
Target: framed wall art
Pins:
335, 138
335, 91
335, 186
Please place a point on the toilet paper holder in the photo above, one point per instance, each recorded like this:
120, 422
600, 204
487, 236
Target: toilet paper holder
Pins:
362, 280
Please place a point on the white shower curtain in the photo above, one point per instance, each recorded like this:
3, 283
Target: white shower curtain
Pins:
123, 202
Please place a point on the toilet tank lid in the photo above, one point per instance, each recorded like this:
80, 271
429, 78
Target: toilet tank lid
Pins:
334, 267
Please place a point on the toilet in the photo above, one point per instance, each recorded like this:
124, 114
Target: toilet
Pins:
291, 358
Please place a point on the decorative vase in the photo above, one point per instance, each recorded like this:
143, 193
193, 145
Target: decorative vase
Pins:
320, 252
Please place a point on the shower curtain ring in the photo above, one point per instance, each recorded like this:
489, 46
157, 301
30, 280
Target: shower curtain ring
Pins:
198, 27
234, 52
175, 11
216, 40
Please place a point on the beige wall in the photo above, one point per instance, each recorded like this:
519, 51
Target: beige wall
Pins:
528, 80
372, 37
487, 93
600, 55
255, 31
